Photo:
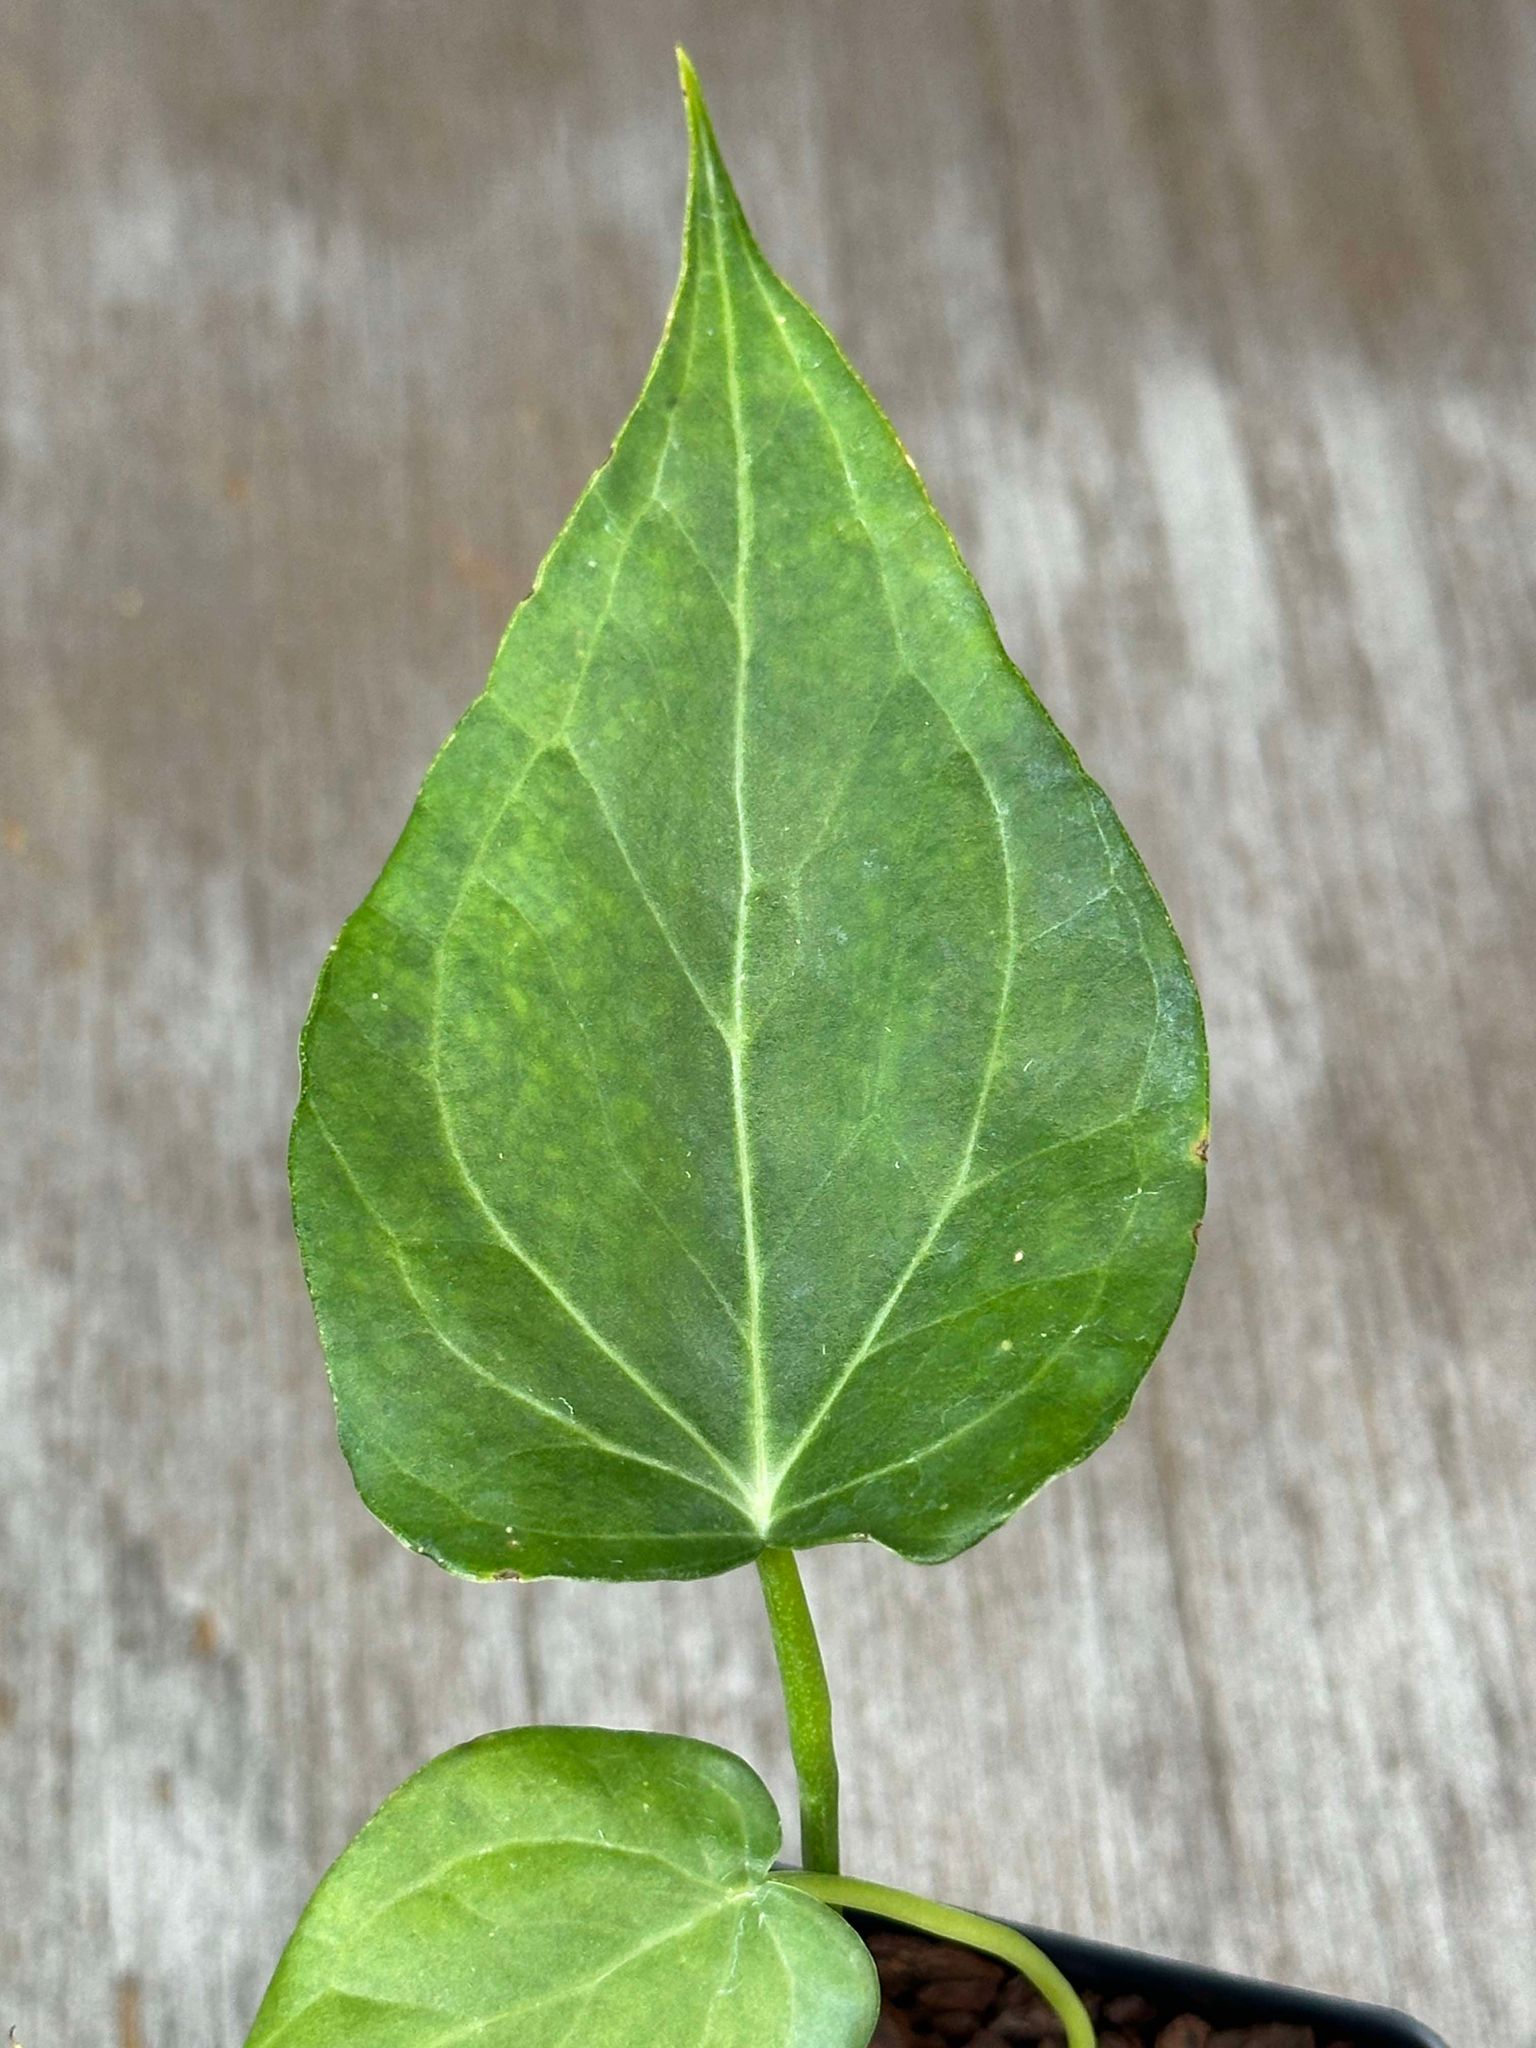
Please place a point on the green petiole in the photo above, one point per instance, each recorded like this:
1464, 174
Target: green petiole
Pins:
950, 1923
808, 1705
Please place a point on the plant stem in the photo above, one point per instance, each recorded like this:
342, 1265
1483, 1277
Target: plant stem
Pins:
949, 1923
807, 1703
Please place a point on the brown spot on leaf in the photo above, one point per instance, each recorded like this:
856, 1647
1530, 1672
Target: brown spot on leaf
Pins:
1202, 1148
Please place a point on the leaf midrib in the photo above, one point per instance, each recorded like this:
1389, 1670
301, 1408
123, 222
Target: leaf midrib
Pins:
762, 1489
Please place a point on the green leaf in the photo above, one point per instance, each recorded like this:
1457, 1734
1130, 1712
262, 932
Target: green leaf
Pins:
762, 1099
570, 1886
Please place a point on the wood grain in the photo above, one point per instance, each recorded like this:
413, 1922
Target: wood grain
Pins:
1210, 323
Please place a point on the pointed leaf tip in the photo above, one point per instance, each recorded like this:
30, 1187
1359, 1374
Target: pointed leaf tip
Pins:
710, 181
700, 131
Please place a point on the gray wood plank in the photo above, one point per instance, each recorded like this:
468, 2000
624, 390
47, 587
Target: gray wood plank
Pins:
1210, 323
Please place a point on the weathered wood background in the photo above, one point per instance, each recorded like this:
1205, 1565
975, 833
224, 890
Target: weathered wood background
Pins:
1211, 325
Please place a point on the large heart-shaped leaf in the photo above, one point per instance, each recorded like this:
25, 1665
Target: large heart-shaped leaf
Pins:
762, 1099
551, 1887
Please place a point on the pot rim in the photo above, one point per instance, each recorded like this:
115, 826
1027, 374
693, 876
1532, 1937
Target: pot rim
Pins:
1223, 1996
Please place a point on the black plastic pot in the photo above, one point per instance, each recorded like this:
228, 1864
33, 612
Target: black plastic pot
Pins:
1228, 2001
1224, 2000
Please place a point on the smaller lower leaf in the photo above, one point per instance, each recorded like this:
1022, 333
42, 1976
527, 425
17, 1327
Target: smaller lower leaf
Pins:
570, 1888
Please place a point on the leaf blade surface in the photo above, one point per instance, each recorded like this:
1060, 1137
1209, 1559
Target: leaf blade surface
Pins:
763, 1098
548, 1885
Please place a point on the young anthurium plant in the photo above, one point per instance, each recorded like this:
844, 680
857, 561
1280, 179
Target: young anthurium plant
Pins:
761, 1103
